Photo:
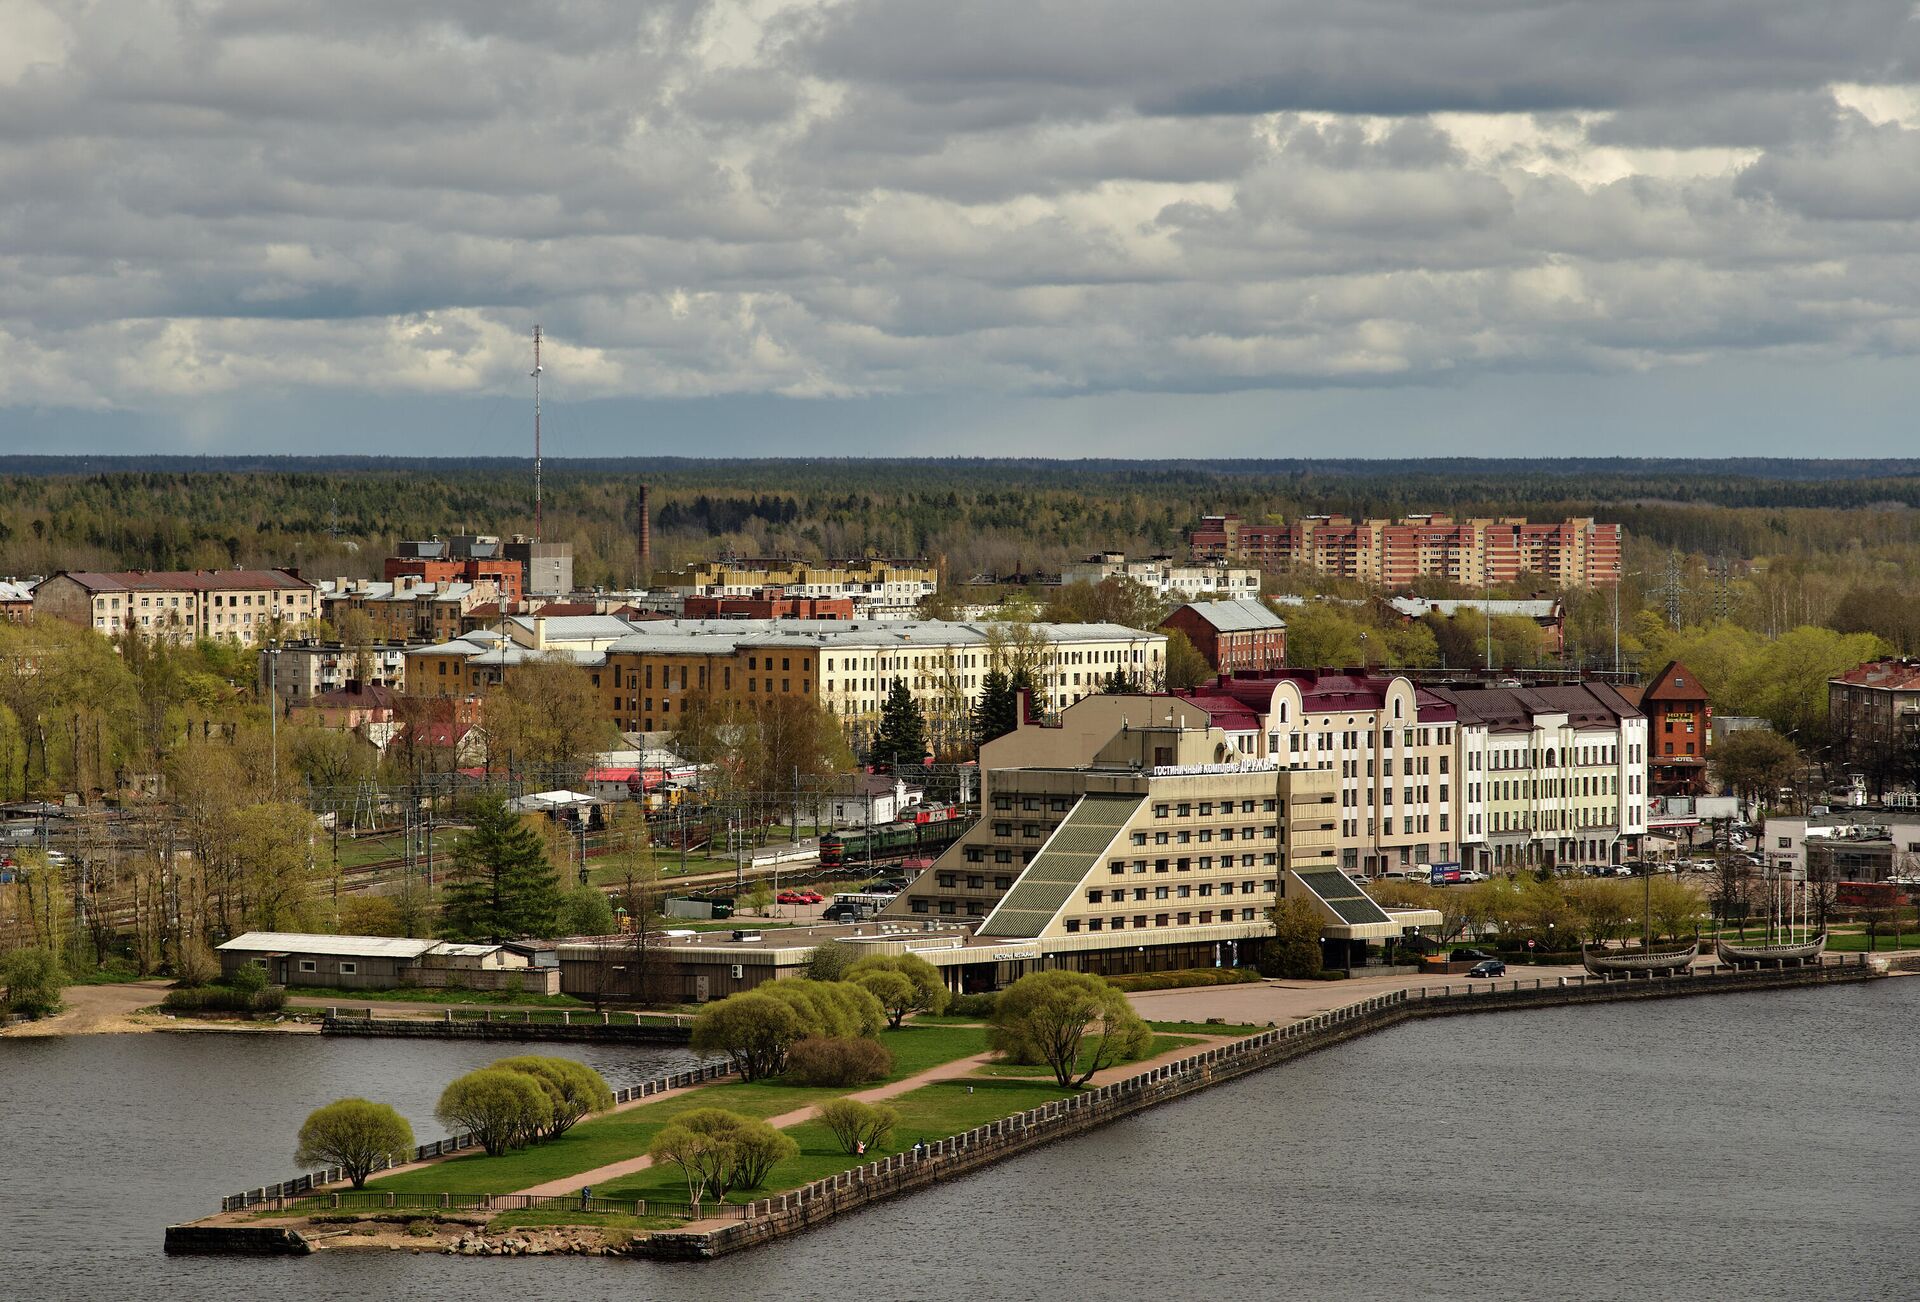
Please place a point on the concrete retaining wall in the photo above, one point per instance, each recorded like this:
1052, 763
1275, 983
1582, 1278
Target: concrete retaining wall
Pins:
397, 1028
789, 1213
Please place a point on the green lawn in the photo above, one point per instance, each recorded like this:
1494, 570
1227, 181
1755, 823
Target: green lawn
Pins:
930, 1112
1161, 1044
1207, 1028
617, 1136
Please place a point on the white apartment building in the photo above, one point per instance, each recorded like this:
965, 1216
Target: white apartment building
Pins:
1170, 578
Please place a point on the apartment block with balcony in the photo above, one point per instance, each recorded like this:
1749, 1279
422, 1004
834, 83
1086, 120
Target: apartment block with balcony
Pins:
1873, 715
1571, 553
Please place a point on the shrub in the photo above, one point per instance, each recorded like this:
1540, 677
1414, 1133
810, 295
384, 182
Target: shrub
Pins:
225, 999
855, 1124
843, 1060
34, 979
501, 1109
194, 964
248, 979
1206, 976
981, 1006
1294, 951
830, 960
356, 1136
833, 1008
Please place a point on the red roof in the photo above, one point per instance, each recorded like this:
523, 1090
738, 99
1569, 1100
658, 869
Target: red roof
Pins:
1887, 675
185, 580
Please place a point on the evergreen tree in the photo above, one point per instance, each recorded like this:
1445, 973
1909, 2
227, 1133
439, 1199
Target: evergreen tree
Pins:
993, 713
502, 886
903, 728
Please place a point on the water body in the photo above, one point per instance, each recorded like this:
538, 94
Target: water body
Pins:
1746, 1146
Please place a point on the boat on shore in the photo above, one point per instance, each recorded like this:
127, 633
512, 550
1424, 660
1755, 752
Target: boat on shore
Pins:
1793, 952
1618, 962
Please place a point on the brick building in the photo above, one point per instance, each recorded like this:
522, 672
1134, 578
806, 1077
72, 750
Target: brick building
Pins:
1572, 553
1233, 635
1679, 730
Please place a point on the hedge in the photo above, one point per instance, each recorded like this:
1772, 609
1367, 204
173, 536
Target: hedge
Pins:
1202, 976
219, 999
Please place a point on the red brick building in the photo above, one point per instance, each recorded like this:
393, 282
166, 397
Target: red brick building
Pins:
1679, 726
767, 603
1573, 553
1233, 635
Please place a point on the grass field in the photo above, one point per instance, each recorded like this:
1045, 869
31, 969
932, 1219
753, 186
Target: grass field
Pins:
617, 1136
1161, 1044
1207, 1028
930, 1112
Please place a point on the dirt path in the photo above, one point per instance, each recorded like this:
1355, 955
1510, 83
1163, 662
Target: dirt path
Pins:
614, 1170
98, 1010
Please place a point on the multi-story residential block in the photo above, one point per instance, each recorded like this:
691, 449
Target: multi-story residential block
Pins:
1873, 714
878, 589
649, 673
1168, 577
1233, 635
304, 668
1130, 836
181, 605
1572, 553
1679, 730
1492, 777
548, 566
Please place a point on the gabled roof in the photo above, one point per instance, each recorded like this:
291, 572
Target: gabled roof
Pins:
1674, 682
185, 580
1235, 616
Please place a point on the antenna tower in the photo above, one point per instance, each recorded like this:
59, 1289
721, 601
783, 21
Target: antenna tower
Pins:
536, 434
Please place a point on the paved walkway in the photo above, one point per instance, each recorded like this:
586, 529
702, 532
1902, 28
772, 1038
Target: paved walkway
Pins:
614, 1170
1282, 1002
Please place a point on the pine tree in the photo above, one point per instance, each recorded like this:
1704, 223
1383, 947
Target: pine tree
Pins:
993, 712
502, 886
903, 728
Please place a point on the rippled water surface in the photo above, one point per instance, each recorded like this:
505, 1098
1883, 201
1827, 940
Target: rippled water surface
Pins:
1746, 1146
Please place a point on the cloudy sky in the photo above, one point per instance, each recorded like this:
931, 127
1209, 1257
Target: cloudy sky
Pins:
1269, 228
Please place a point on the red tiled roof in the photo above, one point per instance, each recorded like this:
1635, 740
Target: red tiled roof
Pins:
1887, 675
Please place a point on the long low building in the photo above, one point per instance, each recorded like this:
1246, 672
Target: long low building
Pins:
647, 672
392, 962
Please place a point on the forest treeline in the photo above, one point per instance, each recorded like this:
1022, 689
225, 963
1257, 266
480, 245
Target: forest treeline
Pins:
1769, 544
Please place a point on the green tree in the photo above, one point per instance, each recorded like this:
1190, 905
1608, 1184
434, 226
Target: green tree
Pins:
753, 1029
859, 1127
903, 983
501, 1109
995, 714
717, 1151
355, 1135
573, 1088
1755, 762
501, 886
33, 979
1073, 1022
1186, 667
1294, 951
902, 738
1321, 635
586, 911
831, 959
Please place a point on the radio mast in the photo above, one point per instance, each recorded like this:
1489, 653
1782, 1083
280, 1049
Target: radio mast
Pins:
536, 434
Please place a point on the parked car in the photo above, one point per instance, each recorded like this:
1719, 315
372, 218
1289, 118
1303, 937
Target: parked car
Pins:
1472, 875
1471, 956
794, 897
1493, 967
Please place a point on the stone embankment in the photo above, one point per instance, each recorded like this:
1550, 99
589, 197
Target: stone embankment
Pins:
780, 1215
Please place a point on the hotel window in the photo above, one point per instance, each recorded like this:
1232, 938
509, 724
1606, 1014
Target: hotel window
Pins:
975, 883
1003, 856
948, 880
1002, 883
1073, 925
1160, 919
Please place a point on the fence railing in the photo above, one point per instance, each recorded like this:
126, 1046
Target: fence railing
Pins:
307, 1182
511, 1016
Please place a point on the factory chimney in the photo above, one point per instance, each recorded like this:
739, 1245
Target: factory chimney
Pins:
646, 541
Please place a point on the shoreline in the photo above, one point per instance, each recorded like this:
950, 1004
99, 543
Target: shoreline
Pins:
779, 1215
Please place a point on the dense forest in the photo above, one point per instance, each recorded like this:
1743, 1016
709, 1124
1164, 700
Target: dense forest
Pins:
1769, 544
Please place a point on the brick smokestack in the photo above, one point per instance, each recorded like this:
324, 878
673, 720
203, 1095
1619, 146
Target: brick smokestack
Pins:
646, 540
